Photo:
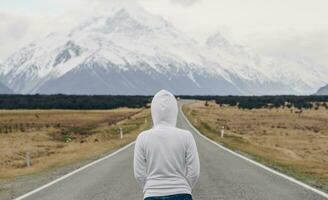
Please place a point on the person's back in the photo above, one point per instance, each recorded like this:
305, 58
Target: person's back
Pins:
166, 161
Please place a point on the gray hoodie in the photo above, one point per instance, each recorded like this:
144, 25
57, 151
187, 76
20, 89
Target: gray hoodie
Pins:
165, 158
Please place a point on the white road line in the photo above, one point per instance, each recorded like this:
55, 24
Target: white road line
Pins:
254, 162
73, 172
200, 134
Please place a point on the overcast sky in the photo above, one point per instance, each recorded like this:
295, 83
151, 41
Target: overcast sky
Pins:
295, 28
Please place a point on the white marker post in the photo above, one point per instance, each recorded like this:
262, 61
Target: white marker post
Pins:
121, 133
28, 159
146, 121
222, 132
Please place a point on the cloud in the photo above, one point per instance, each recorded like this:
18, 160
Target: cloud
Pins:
185, 2
18, 28
12, 26
254, 23
293, 44
13, 29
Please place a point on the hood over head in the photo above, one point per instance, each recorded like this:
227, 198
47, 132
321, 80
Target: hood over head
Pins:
164, 109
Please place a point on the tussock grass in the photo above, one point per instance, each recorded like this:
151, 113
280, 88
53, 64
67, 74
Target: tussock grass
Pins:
54, 138
296, 144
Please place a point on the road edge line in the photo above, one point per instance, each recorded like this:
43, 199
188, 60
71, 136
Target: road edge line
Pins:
291, 179
73, 172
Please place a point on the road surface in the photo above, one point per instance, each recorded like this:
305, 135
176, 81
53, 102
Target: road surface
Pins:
223, 176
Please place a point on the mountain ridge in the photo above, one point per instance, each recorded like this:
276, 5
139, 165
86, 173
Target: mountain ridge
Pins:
323, 90
130, 51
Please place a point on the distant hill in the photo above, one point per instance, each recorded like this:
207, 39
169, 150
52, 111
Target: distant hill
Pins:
4, 89
323, 90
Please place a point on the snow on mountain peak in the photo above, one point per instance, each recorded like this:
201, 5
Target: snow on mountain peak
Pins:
136, 11
217, 40
123, 16
126, 50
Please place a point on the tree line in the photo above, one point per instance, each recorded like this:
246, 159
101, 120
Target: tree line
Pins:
111, 101
256, 102
71, 101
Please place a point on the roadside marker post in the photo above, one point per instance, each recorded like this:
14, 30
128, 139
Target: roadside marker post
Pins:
73, 172
121, 133
293, 180
222, 132
28, 159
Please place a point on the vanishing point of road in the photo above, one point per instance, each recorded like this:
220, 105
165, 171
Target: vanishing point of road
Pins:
224, 176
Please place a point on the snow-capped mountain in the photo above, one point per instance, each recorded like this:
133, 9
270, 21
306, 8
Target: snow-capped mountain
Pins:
302, 75
323, 91
3, 88
126, 52
130, 51
297, 76
245, 69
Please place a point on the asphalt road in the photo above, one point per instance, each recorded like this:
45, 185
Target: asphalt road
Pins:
223, 176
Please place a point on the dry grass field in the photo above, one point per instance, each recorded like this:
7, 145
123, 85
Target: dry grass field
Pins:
54, 138
296, 144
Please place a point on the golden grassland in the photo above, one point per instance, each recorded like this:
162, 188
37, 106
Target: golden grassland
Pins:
54, 138
296, 144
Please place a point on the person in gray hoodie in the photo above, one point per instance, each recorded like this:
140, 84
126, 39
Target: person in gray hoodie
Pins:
166, 162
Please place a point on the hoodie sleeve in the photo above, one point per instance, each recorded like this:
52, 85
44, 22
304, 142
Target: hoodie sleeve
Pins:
139, 163
192, 161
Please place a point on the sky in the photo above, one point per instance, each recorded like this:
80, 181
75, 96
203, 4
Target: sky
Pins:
290, 28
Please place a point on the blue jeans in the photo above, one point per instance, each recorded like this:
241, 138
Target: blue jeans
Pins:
172, 197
